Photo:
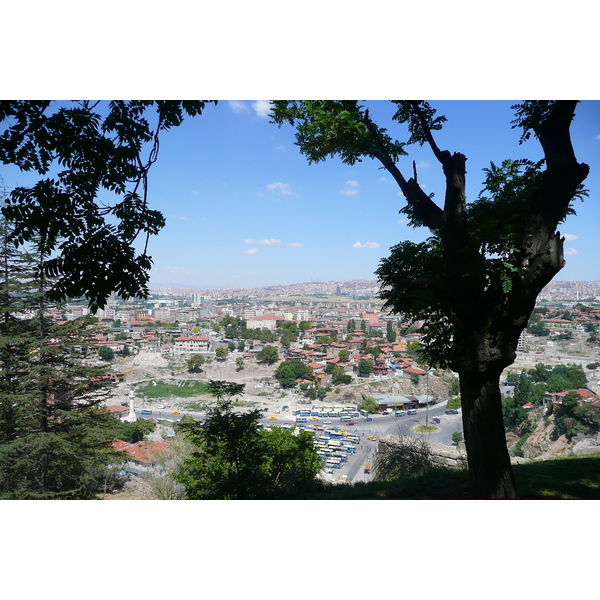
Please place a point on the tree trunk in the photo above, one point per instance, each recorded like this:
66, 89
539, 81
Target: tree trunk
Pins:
489, 462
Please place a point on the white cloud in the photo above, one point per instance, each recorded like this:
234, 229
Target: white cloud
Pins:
284, 188
351, 191
402, 221
385, 180
570, 237
271, 242
262, 108
598, 137
280, 148
365, 245
295, 245
238, 106
570, 252
422, 164
180, 218
251, 251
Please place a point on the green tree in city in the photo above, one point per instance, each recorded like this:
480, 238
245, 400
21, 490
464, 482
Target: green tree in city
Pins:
566, 420
106, 353
457, 437
475, 280
390, 333
290, 370
194, 363
268, 355
453, 403
232, 459
134, 432
344, 355
221, 353
369, 404
365, 367
239, 363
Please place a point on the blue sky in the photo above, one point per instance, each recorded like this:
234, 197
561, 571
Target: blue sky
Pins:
245, 209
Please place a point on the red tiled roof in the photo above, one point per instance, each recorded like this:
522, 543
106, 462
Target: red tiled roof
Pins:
414, 370
144, 451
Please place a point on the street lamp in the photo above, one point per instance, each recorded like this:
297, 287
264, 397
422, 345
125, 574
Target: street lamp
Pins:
427, 400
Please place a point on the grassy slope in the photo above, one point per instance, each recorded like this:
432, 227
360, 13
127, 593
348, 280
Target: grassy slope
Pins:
561, 479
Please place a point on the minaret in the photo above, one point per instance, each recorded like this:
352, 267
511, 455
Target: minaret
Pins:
131, 417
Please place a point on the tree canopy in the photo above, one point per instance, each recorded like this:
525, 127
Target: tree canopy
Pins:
91, 201
233, 459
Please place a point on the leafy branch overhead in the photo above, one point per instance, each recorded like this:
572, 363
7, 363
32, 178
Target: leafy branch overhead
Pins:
91, 202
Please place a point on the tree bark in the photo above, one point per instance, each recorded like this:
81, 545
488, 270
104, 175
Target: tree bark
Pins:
489, 462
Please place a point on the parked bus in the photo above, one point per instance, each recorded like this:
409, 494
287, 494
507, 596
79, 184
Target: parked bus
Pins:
364, 414
301, 419
335, 435
345, 418
353, 438
341, 456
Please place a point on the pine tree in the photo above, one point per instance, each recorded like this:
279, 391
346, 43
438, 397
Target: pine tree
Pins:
54, 437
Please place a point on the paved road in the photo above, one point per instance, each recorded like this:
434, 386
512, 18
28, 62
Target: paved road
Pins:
380, 426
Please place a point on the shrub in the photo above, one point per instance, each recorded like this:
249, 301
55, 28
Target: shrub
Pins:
408, 458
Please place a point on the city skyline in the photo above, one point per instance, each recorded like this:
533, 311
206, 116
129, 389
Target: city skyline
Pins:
245, 209
250, 212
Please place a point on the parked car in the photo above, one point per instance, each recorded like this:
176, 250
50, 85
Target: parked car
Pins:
436, 419
351, 423
451, 411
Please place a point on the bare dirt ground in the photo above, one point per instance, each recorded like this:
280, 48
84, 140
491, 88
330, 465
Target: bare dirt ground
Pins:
261, 389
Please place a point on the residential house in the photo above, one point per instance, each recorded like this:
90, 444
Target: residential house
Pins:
187, 345
142, 455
